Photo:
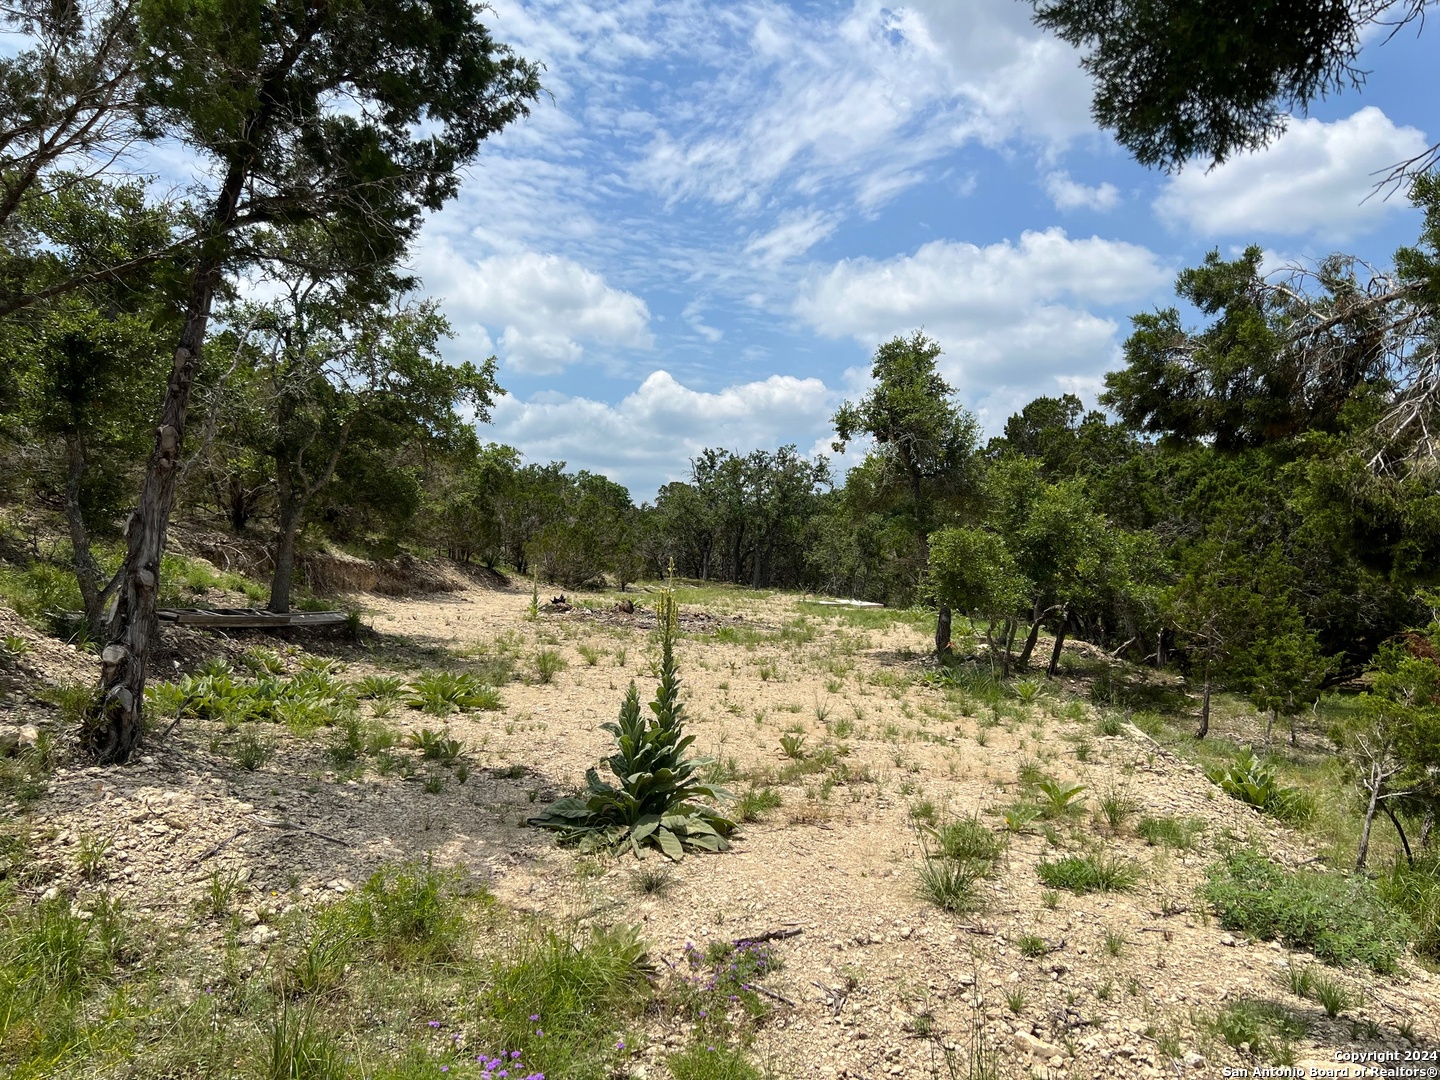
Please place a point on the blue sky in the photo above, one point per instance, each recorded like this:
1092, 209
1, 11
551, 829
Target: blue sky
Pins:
699, 238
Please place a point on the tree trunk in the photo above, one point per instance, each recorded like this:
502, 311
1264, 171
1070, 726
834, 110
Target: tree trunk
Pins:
1404, 842
1160, 649
942, 631
1269, 727
1374, 786
1054, 667
281, 579
87, 573
115, 726
1427, 824
1205, 709
1032, 637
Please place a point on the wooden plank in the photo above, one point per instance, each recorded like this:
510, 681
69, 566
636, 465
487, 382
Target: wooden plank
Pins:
249, 619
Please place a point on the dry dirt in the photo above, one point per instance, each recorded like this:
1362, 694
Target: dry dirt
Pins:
838, 862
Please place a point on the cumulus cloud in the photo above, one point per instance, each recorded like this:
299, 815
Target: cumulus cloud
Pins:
1013, 318
646, 439
1068, 194
544, 308
1312, 181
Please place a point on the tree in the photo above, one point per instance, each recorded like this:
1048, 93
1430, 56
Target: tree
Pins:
1183, 79
924, 440
92, 360
336, 370
973, 571
359, 116
1289, 671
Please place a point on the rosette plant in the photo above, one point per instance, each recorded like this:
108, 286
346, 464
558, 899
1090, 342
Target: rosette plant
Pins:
652, 801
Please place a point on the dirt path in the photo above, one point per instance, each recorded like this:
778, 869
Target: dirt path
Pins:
838, 858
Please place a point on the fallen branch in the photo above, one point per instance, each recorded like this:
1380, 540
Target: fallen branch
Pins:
768, 935
772, 994
214, 849
835, 997
280, 823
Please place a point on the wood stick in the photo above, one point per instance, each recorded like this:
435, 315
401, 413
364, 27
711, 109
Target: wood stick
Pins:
280, 823
768, 935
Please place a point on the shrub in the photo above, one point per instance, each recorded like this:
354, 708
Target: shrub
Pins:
1340, 919
1089, 873
652, 806
1415, 890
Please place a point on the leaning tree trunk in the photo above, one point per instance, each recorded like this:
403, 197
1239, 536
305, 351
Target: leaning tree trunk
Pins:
1376, 782
1054, 667
1032, 637
1205, 708
115, 726
942, 631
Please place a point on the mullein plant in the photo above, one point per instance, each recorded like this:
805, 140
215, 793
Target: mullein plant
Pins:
653, 803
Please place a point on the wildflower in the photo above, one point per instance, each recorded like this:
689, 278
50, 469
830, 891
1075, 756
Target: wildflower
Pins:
434, 1023
534, 1016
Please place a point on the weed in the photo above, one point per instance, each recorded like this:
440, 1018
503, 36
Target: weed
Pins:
967, 840
1089, 873
404, 911
1032, 945
950, 885
1110, 725
1019, 817
1016, 1000
548, 664
1028, 690
436, 745
1252, 781
653, 880
250, 751
1300, 978
299, 1049
1050, 899
380, 687
1338, 918
90, 856
589, 654
1058, 799
1332, 995
1179, 833
1118, 806
792, 746
1114, 942
1264, 1029
755, 803
444, 692
220, 892
319, 968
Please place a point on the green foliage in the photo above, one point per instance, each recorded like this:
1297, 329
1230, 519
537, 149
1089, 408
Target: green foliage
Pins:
1058, 798
1252, 781
1263, 1029
436, 745
967, 840
1174, 832
443, 692
754, 803
577, 988
710, 1062
406, 912
379, 687
653, 805
951, 885
1180, 80
1032, 945
1089, 873
1415, 891
1340, 919
301, 1049
1118, 807
548, 664
792, 745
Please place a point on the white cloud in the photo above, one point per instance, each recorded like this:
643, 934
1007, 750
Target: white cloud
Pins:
545, 307
793, 237
1013, 318
1069, 194
1314, 180
647, 438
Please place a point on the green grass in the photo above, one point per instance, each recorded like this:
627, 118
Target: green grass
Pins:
755, 803
1415, 891
950, 885
1172, 832
1089, 873
1264, 1029
1340, 919
443, 692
